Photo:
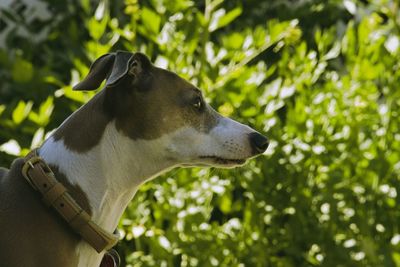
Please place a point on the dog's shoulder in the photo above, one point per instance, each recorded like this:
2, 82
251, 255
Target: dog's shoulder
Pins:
29, 223
15, 169
11, 179
3, 172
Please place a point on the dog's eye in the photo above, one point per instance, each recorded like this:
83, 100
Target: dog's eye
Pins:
197, 103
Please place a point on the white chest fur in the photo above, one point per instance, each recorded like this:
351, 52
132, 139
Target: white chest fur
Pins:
109, 174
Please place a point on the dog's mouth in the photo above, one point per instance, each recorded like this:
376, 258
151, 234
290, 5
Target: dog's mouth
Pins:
224, 161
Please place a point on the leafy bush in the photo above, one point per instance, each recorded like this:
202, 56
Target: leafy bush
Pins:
319, 77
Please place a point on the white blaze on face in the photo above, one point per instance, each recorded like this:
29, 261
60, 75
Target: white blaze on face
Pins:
227, 140
234, 138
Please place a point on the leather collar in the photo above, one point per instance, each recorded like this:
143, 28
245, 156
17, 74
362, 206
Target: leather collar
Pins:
42, 179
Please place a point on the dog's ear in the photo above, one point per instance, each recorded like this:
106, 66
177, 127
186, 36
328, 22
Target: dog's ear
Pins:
99, 70
120, 68
138, 64
114, 67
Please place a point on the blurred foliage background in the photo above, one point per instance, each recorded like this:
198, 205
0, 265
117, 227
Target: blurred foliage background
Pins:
321, 78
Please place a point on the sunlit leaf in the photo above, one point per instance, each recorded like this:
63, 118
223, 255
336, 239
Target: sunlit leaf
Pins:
151, 20
11, 147
37, 138
21, 111
2, 108
220, 19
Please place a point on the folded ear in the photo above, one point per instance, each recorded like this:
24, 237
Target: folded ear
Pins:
114, 67
98, 72
120, 68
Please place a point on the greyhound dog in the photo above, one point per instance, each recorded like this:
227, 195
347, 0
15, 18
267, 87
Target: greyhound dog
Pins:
145, 121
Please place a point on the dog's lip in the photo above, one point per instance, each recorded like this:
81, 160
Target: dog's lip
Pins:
224, 161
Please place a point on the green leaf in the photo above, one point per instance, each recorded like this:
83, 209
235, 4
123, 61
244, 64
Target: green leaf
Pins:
287, 91
21, 111
100, 10
53, 80
2, 108
219, 19
233, 41
46, 108
85, 5
97, 24
81, 97
42, 118
38, 138
151, 20
333, 53
226, 203
22, 71
11, 147
97, 27
250, 112
229, 17
396, 258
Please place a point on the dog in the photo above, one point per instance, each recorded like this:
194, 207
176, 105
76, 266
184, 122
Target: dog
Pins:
144, 122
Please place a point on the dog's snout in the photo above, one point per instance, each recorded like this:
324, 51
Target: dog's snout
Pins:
259, 143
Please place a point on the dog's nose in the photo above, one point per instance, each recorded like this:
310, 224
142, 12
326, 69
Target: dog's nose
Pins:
258, 142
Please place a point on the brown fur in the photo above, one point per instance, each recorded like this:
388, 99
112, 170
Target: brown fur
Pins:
84, 129
135, 106
23, 217
168, 101
145, 104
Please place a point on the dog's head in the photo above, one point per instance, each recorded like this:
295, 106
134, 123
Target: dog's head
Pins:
149, 103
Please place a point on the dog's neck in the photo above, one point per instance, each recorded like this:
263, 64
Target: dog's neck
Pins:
110, 172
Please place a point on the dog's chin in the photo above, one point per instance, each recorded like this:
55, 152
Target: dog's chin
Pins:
215, 161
